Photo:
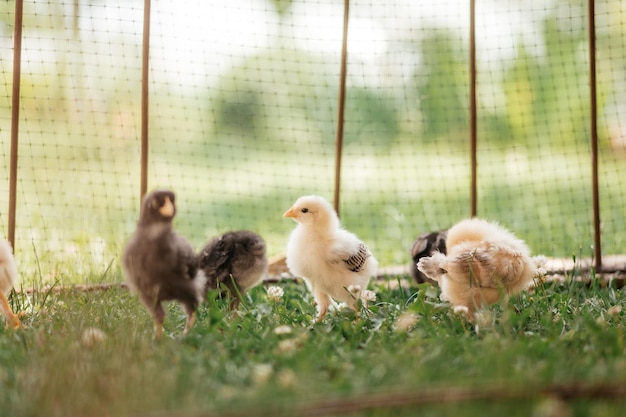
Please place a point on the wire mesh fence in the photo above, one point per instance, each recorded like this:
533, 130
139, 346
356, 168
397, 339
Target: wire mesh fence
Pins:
243, 118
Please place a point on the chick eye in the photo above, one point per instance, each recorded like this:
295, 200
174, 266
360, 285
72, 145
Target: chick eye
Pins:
305, 210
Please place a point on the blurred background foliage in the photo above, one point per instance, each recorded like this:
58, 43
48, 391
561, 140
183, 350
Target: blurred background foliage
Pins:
243, 117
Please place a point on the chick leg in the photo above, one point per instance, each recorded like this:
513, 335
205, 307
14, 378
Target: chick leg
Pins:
12, 319
233, 292
323, 301
485, 296
191, 317
234, 303
158, 315
150, 300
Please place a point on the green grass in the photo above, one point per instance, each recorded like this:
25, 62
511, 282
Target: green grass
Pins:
243, 365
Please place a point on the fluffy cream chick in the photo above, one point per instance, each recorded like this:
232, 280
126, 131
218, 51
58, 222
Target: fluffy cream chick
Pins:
484, 261
8, 279
334, 263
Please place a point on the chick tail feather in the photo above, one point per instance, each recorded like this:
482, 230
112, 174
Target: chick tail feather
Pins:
492, 265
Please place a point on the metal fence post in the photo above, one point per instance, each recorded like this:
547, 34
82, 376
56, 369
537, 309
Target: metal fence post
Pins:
597, 247
145, 76
341, 105
472, 109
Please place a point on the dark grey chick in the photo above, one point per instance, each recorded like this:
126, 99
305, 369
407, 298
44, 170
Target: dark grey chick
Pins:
425, 245
161, 265
235, 261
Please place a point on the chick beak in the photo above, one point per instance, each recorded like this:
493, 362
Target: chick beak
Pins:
290, 213
167, 210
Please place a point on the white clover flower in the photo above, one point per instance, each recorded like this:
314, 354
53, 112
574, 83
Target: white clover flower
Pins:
483, 319
281, 330
614, 311
340, 307
275, 293
287, 378
287, 346
406, 321
368, 295
261, 373
540, 261
461, 310
92, 337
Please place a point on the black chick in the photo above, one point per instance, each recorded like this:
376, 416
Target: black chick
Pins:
161, 265
235, 261
425, 245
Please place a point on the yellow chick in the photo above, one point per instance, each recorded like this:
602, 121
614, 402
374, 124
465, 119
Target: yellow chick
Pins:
8, 279
333, 262
484, 262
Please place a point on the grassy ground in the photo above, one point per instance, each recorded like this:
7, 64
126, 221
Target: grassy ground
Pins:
270, 359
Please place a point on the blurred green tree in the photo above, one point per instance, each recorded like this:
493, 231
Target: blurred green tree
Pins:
547, 90
442, 83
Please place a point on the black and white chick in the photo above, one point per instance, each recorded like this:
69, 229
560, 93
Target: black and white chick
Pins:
161, 265
8, 279
333, 262
235, 261
424, 245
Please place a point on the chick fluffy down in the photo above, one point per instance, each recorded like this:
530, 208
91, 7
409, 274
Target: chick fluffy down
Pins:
329, 258
8, 267
484, 262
